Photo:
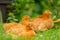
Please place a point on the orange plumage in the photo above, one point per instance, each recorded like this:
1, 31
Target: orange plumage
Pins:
18, 29
8, 26
27, 26
42, 22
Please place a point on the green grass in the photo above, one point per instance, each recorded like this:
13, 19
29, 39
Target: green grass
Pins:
51, 34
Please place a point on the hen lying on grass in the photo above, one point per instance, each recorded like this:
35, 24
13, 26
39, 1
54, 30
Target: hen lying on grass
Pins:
43, 22
18, 29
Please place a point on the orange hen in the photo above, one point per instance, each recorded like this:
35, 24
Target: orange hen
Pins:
18, 29
42, 22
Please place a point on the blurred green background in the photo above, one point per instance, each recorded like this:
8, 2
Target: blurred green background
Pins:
19, 8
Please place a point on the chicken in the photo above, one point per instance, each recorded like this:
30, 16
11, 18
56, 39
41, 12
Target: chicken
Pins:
18, 29
42, 22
